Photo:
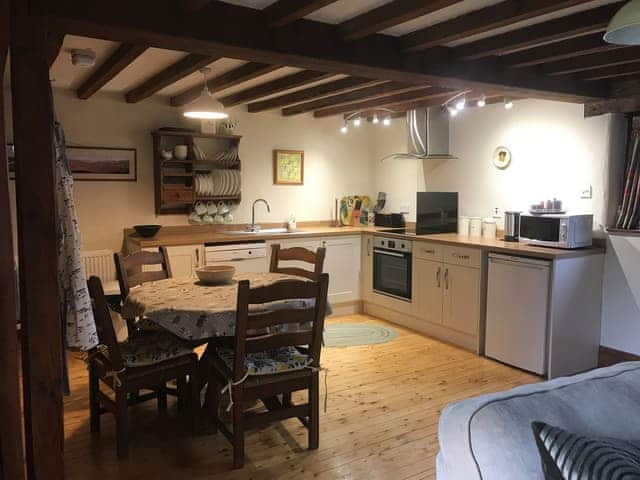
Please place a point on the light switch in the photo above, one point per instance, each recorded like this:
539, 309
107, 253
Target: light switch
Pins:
587, 192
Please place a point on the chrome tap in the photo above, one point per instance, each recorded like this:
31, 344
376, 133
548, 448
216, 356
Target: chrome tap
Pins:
253, 227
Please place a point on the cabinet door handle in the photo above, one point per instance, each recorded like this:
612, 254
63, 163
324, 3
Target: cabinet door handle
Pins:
429, 251
438, 273
462, 257
197, 257
446, 279
368, 247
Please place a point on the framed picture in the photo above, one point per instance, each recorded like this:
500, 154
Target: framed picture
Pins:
94, 163
501, 157
288, 167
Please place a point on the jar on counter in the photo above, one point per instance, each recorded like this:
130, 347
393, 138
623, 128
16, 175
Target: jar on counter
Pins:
489, 227
475, 227
463, 226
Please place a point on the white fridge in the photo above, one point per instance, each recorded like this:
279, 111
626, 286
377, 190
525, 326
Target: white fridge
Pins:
517, 311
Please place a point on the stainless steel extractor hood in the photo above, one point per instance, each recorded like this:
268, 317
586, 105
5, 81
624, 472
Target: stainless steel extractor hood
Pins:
428, 135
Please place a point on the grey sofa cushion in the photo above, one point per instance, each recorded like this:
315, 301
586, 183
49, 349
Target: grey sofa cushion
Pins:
489, 437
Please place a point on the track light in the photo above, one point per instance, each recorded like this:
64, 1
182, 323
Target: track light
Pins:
344, 128
460, 104
375, 118
482, 101
452, 111
508, 103
357, 121
386, 121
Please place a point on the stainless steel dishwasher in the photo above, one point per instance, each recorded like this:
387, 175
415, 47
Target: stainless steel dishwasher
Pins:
517, 311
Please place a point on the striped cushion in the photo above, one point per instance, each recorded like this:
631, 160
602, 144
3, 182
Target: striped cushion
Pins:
566, 456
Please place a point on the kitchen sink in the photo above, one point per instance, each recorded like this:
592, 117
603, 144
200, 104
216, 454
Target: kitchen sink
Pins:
264, 231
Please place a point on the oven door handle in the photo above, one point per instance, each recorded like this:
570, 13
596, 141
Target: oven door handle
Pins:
391, 254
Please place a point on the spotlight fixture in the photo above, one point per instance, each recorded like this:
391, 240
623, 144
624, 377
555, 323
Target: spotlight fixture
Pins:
357, 121
452, 111
375, 118
460, 104
344, 128
482, 101
508, 103
386, 121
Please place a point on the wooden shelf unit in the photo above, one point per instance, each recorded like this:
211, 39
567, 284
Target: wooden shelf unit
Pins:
174, 187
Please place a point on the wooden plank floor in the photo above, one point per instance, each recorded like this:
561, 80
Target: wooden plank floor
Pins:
383, 408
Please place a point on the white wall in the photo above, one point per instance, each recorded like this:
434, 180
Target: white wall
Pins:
335, 164
555, 153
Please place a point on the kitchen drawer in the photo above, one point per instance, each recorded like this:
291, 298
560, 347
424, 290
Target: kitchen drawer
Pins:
467, 257
428, 251
178, 195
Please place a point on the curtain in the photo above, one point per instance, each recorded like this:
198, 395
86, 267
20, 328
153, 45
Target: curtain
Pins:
79, 326
629, 214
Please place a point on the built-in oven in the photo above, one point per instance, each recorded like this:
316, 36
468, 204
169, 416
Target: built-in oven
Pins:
392, 267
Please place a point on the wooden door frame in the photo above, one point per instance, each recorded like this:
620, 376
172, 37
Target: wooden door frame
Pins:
31, 53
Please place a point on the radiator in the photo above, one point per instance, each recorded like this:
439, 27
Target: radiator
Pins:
100, 263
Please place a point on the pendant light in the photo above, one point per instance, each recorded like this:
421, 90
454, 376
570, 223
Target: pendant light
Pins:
624, 28
205, 107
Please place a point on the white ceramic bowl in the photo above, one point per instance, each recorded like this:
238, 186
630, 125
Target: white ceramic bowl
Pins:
216, 274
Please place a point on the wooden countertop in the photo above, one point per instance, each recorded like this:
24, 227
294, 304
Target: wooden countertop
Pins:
200, 234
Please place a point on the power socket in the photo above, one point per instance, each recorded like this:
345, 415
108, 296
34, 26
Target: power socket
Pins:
587, 192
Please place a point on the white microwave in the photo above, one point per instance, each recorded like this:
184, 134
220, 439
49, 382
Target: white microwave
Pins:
560, 231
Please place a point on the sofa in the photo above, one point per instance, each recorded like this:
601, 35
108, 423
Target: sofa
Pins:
490, 437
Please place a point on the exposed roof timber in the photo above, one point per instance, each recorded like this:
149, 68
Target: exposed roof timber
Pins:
193, 5
335, 87
361, 94
311, 45
589, 62
558, 51
565, 28
294, 80
624, 70
283, 12
174, 72
618, 105
426, 93
483, 20
118, 61
234, 77
389, 15
471, 103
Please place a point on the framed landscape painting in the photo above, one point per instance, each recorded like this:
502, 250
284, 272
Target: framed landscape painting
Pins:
288, 167
95, 163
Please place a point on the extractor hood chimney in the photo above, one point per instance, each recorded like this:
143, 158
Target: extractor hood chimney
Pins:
428, 135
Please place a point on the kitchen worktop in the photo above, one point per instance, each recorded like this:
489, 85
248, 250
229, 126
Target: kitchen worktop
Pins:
200, 234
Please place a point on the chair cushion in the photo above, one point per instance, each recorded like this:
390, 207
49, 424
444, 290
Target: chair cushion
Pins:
150, 348
285, 359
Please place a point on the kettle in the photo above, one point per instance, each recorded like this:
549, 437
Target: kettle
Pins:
511, 226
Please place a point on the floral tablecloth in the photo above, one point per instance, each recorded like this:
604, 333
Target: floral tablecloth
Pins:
195, 311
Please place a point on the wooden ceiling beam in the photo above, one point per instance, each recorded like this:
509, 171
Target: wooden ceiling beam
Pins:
278, 85
174, 72
484, 20
558, 51
589, 62
382, 102
335, 87
112, 66
615, 71
389, 15
229, 79
401, 109
565, 28
244, 34
284, 12
617, 105
361, 94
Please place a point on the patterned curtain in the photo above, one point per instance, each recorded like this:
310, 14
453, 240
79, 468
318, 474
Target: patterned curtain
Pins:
629, 214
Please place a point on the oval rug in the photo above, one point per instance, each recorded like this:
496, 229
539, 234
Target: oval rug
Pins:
352, 334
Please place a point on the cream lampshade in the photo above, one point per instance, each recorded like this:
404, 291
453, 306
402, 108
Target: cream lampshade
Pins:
624, 28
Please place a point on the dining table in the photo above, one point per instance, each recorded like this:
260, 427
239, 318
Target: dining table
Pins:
196, 311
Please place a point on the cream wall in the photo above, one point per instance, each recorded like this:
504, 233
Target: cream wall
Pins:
335, 164
556, 152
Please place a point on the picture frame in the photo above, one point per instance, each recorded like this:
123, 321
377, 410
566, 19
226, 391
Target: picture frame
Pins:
94, 163
288, 167
501, 157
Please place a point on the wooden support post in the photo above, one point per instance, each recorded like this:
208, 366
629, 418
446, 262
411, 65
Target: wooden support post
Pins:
37, 234
11, 454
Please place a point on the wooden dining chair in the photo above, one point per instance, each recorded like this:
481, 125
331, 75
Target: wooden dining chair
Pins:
133, 366
130, 271
298, 254
267, 366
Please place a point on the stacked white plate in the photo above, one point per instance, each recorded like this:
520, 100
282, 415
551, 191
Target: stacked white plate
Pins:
218, 183
227, 158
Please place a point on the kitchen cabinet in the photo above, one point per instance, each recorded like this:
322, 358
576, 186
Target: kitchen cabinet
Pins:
184, 260
366, 268
461, 298
428, 290
342, 263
